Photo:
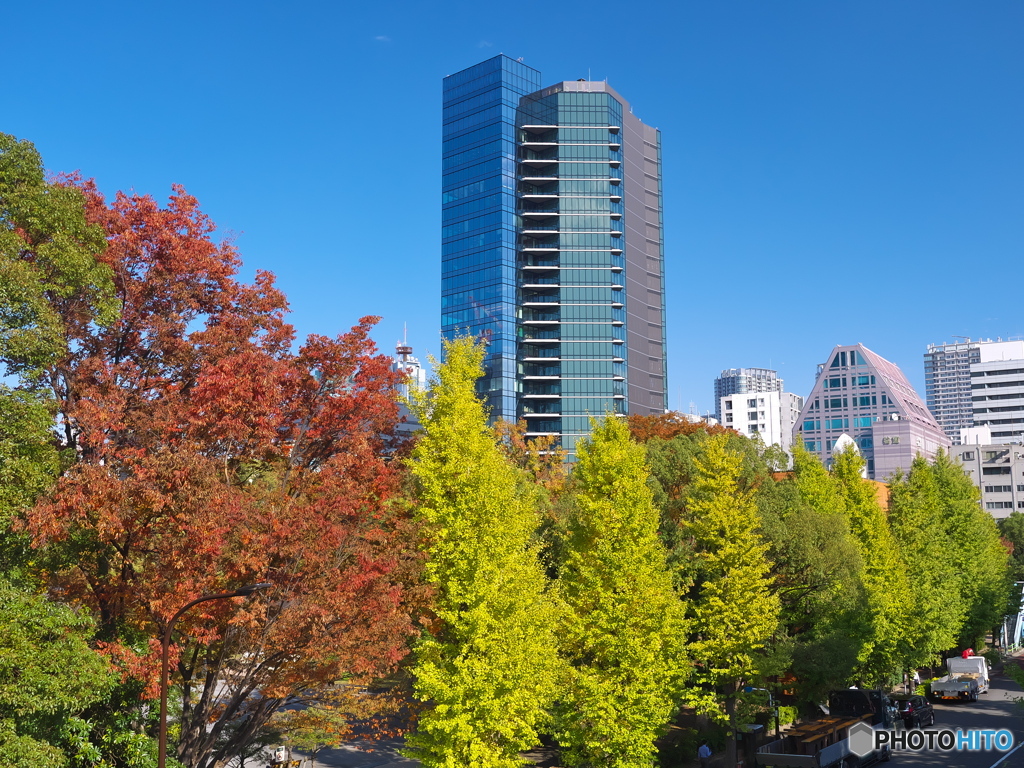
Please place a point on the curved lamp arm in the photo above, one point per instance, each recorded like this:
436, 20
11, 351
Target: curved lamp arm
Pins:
165, 646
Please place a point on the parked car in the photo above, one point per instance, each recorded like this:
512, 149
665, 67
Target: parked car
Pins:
916, 711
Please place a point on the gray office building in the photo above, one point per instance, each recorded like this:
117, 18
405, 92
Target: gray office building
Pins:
742, 381
552, 246
947, 384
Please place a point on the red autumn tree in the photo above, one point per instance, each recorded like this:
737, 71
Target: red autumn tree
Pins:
668, 425
209, 455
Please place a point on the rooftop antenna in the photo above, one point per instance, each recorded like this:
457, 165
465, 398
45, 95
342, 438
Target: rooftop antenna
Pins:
403, 348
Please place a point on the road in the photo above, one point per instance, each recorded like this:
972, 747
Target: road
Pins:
995, 710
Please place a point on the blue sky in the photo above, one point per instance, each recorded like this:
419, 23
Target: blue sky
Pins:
835, 171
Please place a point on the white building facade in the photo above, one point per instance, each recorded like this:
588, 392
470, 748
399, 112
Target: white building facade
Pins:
744, 381
997, 390
961, 383
997, 469
769, 415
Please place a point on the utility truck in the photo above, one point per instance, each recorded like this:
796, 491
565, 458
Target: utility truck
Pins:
825, 742
967, 678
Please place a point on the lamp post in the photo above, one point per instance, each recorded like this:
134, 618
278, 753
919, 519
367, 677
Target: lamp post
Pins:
162, 741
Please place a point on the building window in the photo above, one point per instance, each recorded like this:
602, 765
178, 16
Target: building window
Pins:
752, 402
728, 405
728, 418
998, 488
998, 505
995, 471
967, 456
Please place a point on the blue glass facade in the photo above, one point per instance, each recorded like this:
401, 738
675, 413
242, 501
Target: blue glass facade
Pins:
551, 246
572, 317
478, 219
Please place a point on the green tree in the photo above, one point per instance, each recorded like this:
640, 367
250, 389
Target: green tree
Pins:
886, 583
47, 262
1012, 530
48, 676
818, 574
975, 548
734, 607
919, 528
624, 627
487, 667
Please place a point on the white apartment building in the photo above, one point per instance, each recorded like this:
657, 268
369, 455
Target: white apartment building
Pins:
997, 469
770, 415
997, 390
743, 381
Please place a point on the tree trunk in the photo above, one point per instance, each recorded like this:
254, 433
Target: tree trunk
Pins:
730, 737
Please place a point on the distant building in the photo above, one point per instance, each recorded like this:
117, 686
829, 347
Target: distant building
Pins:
551, 246
861, 394
997, 390
771, 415
743, 381
997, 470
955, 372
415, 378
947, 384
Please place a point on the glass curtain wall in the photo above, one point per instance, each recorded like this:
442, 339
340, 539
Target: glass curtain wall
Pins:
572, 317
478, 220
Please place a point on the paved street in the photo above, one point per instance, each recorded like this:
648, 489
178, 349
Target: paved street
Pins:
996, 710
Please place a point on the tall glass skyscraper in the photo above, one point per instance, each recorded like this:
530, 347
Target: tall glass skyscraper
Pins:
552, 247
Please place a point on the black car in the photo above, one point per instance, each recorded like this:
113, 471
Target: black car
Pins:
916, 711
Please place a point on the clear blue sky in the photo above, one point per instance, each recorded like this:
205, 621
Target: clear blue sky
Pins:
835, 171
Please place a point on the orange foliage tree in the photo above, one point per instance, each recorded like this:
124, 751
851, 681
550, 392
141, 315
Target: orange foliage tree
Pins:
668, 425
207, 455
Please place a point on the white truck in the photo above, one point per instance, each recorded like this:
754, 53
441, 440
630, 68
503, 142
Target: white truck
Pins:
968, 676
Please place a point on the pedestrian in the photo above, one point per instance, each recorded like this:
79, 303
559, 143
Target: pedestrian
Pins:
917, 681
704, 753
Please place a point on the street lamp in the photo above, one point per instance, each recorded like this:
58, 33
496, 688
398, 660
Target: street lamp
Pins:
162, 742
